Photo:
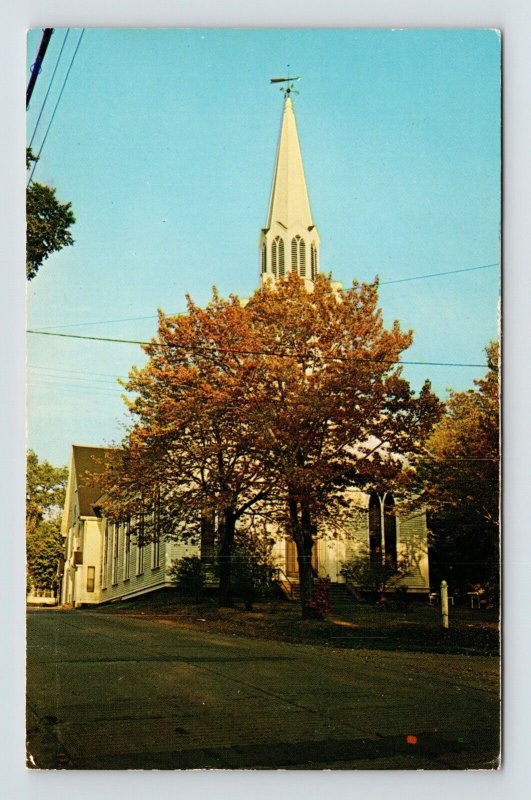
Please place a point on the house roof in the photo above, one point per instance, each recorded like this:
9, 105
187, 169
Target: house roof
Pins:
88, 461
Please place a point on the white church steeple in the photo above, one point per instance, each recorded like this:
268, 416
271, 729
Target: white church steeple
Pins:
290, 241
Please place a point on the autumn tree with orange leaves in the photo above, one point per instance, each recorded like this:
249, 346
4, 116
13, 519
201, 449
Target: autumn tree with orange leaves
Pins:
338, 412
266, 412
191, 456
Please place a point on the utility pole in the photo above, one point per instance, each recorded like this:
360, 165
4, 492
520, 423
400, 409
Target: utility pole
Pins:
36, 67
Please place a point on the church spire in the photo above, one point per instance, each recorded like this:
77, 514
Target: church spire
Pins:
290, 241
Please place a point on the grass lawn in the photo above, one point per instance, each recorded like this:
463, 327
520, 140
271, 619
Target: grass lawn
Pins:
350, 624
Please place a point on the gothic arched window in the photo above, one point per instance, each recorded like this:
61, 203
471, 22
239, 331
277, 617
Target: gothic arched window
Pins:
295, 253
302, 258
274, 257
264, 259
281, 259
390, 531
313, 260
298, 256
375, 531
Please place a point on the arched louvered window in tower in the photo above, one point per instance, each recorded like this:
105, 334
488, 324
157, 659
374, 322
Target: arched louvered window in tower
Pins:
298, 256
274, 257
302, 258
295, 254
313, 265
281, 257
264, 259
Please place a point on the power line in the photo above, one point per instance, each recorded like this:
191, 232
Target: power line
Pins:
49, 86
105, 383
77, 371
180, 313
437, 274
75, 387
56, 106
232, 351
105, 321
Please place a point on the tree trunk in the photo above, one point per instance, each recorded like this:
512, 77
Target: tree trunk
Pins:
226, 542
302, 535
304, 557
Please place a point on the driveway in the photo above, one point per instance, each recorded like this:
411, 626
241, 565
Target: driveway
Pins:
115, 692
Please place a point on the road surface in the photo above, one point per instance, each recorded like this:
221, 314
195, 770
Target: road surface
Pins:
108, 691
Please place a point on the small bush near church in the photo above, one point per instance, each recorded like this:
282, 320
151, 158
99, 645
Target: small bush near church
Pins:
320, 604
187, 576
376, 579
252, 575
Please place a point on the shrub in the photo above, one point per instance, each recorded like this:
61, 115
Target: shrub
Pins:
320, 604
252, 576
373, 577
187, 576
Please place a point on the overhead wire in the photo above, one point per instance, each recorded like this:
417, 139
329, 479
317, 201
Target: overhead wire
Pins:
438, 274
235, 351
49, 87
56, 107
180, 313
76, 372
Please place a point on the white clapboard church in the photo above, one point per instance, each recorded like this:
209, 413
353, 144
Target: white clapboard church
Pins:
103, 562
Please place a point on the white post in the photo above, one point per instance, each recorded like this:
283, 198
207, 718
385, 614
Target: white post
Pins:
444, 603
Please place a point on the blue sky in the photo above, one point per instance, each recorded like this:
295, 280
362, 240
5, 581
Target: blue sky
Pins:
164, 141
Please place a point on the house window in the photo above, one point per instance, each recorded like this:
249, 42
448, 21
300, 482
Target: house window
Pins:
264, 258
155, 551
390, 532
91, 577
155, 544
274, 257
140, 548
127, 550
105, 557
375, 532
116, 537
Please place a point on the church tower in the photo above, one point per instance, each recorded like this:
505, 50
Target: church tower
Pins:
290, 241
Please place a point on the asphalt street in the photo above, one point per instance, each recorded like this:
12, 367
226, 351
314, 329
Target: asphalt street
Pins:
107, 691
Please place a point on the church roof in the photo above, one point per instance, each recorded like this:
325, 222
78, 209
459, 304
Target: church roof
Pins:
289, 204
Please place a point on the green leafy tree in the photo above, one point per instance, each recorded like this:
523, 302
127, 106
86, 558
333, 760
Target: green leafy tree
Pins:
461, 486
45, 494
44, 546
47, 223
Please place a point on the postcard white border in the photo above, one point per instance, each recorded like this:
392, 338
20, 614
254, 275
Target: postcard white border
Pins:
513, 17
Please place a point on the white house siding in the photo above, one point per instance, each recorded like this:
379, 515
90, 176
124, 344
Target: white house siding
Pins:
352, 543
115, 583
412, 545
99, 544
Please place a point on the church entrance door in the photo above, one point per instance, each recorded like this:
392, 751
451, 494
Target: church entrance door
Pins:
292, 565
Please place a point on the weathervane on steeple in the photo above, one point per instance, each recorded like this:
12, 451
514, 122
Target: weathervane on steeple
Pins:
288, 84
